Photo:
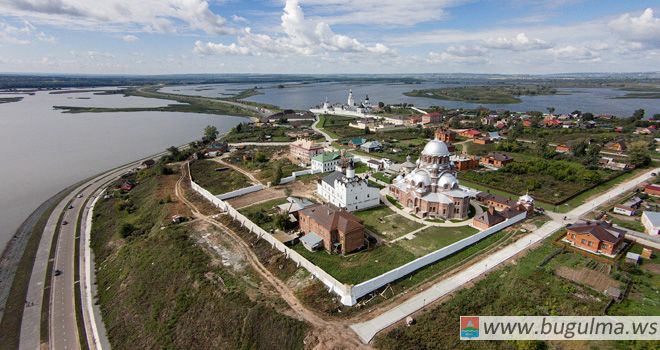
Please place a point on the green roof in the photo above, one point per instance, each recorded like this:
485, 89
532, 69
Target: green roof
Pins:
326, 157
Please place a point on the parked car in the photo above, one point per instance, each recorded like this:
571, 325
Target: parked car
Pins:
79, 196
65, 223
654, 174
71, 207
58, 272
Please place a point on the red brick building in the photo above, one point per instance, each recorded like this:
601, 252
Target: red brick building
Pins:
598, 237
563, 149
652, 190
463, 163
303, 150
340, 230
433, 117
470, 133
445, 135
497, 160
488, 218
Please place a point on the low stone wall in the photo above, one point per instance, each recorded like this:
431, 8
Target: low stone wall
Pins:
367, 287
349, 294
240, 192
297, 174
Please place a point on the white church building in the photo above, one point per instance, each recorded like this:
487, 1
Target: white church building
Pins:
348, 191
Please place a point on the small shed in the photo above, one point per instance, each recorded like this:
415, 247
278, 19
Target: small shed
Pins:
632, 258
311, 241
646, 253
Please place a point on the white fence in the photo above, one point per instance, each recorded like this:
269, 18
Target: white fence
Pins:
349, 294
367, 287
240, 192
296, 174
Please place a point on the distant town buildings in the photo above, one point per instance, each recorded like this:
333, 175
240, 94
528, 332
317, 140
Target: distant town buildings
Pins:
302, 151
332, 228
431, 189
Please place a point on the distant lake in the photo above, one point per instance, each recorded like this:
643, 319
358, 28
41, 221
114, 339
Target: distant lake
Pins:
304, 96
43, 150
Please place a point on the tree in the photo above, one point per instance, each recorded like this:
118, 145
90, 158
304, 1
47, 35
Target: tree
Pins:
580, 148
239, 128
210, 133
656, 116
587, 116
381, 104
277, 175
174, 151
551, 110
638, 114
281, 221
366, 130
456, 122
261, 157
638, 153
541, 147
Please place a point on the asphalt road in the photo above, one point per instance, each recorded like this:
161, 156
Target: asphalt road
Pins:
63, 328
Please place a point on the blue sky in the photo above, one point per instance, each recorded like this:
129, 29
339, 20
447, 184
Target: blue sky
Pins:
328, 36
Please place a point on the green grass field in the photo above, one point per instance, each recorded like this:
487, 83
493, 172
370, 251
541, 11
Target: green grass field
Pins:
217, 182
434, 238
386, 223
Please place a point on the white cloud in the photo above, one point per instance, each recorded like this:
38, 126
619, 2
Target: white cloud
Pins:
645, 28
129, 38
219, 49
459, 55
380, 12
575, 54
109, 15
518, 43
300, 36
238, 19
10, 34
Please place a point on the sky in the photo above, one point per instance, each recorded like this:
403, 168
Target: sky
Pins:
328, 36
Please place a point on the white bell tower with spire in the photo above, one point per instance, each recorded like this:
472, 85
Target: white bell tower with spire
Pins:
351, 101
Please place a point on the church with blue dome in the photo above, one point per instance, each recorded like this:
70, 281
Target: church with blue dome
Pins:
431, 188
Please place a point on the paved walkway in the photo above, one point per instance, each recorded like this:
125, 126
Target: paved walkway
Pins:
367, 330
385, 192
264, 144
326, 135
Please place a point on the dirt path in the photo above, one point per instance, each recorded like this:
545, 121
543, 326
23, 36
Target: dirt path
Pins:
325, 334
240, 170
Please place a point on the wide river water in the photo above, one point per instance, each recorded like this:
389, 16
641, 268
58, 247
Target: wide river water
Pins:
43, 150
305, 96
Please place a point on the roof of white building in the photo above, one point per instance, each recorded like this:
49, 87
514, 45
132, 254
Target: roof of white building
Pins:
653, 217
438, 198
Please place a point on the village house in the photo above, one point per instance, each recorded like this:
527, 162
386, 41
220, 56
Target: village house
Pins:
464, 162
371, 146
374, 164
482, 140
598, 237
549, 123
216, 148
445, 135
348, 190
302, 151
610, 163
332, 228
356, 142
616, 146
325, 162
496, 160
470, 133
293, 206
629, 208
562, 149
527, 123
651, 222
652, 190
432, 118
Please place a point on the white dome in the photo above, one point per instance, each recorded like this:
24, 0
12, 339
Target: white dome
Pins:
448, 181
526, 199
436, 148
420, 177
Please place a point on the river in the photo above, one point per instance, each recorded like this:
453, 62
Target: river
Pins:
43, 150
305, 96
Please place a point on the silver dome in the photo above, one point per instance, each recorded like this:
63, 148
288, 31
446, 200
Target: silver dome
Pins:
436, 148
447, 181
